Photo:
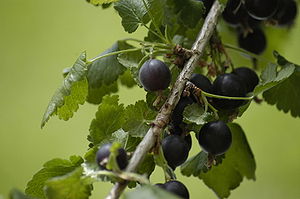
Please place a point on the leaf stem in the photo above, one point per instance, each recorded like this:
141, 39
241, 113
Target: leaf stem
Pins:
114, 53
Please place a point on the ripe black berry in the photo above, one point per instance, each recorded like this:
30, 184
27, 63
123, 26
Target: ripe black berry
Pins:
261, 9
176, 150
234, 12
154, 75
177, 188
215, 138
254, 42
248, 76
103, 155
177, 117
287, 13
201, 82
228, 85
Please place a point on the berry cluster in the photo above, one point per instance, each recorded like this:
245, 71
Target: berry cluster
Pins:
247, 15
214, 137
176, 188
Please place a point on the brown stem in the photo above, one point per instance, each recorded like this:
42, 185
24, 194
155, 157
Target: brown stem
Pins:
162, 118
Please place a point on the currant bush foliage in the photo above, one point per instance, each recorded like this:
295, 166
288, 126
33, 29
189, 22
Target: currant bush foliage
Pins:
172, 27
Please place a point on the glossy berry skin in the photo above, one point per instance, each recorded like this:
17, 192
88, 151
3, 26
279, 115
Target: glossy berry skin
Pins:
248, 76
176, 150
177, 114
287, 13
228, 85
155, 75
261, 9
233, 14
215, 138
254, 42
103, 153
201, 82
177, 188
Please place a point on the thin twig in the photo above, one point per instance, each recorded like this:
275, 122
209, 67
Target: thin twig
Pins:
163, 116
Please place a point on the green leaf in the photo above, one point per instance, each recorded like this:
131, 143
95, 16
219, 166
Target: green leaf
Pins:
137, 118
191, 12
128, 142
73, 92
133, 13
53, 168
149, 192
147, 166
238, 163
109, 119
127, 80
194, 113
100, 2
16, 194
105, 70
95, 95
273, 75
286, 95
195, 165
112, 163
70, 186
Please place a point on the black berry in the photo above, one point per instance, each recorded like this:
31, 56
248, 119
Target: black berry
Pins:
103, 153
177, 114
229, 85
234, 13
201, 82
254, 42
176, 150
261, 9
215, 138
287, 13
177, 188
155, 75
248, 76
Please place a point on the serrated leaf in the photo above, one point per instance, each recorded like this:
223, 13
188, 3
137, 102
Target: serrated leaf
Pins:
130, 59
100, 2
109, 119
286, 95
16, 194
194, 113
195, 165
73, 92
137, 118
127, 80
128, 142
95, 95
191, 12
52, 168
105, 70
149, 192
238, 163
273, 76
133, 13
70, 186
147, 166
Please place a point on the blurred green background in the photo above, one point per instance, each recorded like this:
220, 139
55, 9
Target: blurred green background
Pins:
40, 38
